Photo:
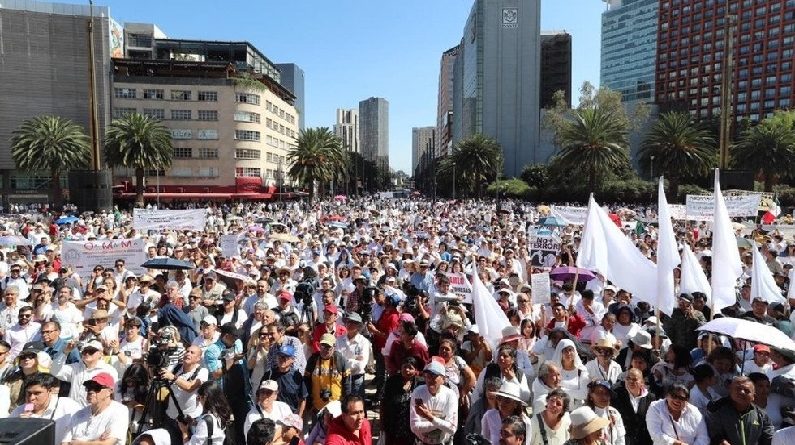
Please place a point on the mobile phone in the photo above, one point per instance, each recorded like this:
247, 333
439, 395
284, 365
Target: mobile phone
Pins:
128, 353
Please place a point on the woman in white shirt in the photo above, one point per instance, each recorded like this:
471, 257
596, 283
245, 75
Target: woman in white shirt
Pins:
674, 420
600, 393
551, 426
573, 375
509, 403
603, 367
216, 419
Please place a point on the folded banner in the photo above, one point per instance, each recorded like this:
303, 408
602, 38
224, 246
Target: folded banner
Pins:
570, 214
169, 219
83, 256
701, 208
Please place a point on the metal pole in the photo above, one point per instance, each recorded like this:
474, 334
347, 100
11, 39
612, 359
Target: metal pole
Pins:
92, 93
454, 180
652, 167
726, 91
157, 172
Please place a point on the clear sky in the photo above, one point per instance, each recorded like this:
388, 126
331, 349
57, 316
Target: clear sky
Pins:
354, 49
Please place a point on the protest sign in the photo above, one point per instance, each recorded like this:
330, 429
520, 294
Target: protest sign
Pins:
544, 247
460, 286
701, 207
169, 219
570, 214
229, 245
83, 256
541, 287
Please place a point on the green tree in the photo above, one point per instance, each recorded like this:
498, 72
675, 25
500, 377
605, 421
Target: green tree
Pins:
318, 158
475, 162
593, 143
681, 148
535, 175
139, 142
768, 149
52, 144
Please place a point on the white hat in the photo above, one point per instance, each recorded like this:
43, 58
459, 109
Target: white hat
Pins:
474, 329
510, 390
642, 339
334, 408
651, 320
270, 385
210, 320
584, 421
510, 333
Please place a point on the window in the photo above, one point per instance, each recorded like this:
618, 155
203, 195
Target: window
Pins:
208, 96
245, 98
124, 93
247, 135
153, 94
180, 95
183, 152
122, 112
181, 115
208, 172
155, 113
248, 171
246, 116
208, 115
208, 153
245, 153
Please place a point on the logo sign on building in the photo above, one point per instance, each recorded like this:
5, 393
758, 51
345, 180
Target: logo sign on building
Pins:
460, 286
702, 207
542, 246
84, 256
177, 133
208, 135
510, 18
169, 219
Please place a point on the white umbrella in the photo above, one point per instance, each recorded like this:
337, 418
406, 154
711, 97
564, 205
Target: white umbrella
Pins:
749, 331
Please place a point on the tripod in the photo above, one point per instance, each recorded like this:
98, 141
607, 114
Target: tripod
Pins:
156, 408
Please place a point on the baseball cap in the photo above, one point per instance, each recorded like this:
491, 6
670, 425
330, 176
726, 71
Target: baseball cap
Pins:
210, 320
285, 295
287, 351
99, 314
354, 317
761, 348
102, 379
93, 344
435, 368
269, 385
331, 309
328, 339
228, 296
292, 420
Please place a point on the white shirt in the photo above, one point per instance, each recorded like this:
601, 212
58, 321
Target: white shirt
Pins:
227, 318
558, 436
592, 320
784, 437
200, 432
60, 409
615, 432
444, 406
70, 319
700, 400
356, 352
188, 400
18, 335
491, 423
596, 372
251, 300
203, 343
76, 373
690, 428
279, 411
114, 419
776, 401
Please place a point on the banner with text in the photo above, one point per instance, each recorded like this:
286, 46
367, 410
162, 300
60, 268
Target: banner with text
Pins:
544, 248
702, 207
230, 245
169, 219
460, 285
540, 287
570, 214
83, 256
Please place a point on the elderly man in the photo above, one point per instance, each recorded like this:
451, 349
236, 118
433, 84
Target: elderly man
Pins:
10, 308
104, 421
736, 419
433, 410
92, 364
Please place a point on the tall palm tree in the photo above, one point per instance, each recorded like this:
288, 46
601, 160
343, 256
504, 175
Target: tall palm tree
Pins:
475, 161
680, 147
50, 143
768, 149
318, 157
139, 142
593, 143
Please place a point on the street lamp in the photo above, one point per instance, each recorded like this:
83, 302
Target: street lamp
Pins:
651, 167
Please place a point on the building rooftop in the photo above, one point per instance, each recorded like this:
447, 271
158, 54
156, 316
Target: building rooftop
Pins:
54, 8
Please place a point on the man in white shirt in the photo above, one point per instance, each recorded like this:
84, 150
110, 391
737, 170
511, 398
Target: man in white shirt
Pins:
41, 395
261, 294
91, 364
104, 421
9, 310
433, 410
355, 348
209, 333
143, 295
15, 278
67, 314
23, 332
185, 382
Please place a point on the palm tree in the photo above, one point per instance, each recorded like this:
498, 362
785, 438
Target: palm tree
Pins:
139, 142
318, 157
475, 161
768, 149
50, 143
593, 143
680, 147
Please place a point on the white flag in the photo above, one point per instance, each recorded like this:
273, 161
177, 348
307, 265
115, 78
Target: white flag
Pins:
763, 285
488, 315
726, 264
667, 255
693, 278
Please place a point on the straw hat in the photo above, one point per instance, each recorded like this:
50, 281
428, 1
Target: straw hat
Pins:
584, 421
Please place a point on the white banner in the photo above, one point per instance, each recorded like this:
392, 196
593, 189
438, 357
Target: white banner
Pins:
229, 245
542, 247
570, 214
169, 219
460, 286
678, 211
84, 256
702, 207
541, 287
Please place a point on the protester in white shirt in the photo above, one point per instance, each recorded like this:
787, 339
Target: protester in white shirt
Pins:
103, 418
41, 395
25, 331
356, 350
673, 419
603, 367
91, 364
185, 382
267, 406
67, 314
433, 411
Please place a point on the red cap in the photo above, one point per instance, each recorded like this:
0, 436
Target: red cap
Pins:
103, 379
285, 295
331, 309
761, 348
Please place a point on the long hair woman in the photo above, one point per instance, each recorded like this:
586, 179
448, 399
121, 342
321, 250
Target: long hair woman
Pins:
216, 416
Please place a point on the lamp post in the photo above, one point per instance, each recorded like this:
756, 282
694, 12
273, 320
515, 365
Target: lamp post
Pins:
651, 168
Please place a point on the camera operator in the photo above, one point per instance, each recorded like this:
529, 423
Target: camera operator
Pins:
185, 381
166, 350
325, 373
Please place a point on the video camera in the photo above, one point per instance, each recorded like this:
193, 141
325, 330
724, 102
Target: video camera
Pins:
366, 304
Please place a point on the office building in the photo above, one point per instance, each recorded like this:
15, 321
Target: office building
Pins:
444, 104
347, 128
555, 67
232, 122
374, 130
293, 80
496, 79
691, 53
629, 43
44, 68
422, 144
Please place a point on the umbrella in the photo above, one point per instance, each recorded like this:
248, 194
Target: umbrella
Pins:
233, 279
338, 225
66, 220
744, 243
14, 240
551, 221
168, 263
749, 331
286, 237
567, 273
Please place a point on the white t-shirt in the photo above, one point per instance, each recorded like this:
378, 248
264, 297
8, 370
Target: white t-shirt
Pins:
60, 409
279, 411
187, 400
200, 432
114, 419
70, 319
227, 318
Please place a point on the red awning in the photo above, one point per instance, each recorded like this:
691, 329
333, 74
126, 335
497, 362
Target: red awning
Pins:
170, 195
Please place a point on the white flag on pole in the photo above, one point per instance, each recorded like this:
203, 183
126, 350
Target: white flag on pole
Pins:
726, 263
763, 285
693, 278
488, 315
667, 255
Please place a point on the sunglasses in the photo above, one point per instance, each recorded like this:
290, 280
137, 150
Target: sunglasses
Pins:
24, 315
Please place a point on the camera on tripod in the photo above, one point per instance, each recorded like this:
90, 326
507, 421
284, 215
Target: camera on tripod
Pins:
303, 293
366, 304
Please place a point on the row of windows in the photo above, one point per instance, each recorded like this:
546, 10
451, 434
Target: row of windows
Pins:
247, 135
158, 93
198, 153
247, 153
187, 172
276, 159
279, 128
273, 108
248, 171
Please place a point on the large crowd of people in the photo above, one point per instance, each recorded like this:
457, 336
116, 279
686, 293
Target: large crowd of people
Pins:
337, 323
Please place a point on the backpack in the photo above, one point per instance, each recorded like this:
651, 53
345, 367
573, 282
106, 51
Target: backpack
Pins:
229, 439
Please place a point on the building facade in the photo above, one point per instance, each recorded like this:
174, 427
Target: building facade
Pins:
629, 44
293, 80
496, 79
347, 128
690, 53
444, 104
44, 66
374, 130
423, 142
555, 67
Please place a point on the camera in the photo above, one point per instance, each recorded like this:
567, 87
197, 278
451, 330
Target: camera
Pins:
157, 358
303, 293
366, 304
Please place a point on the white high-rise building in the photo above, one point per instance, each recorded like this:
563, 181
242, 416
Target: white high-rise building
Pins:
423, 140
347, 128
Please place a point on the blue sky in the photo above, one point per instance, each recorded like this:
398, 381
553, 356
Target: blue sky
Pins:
354, 49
